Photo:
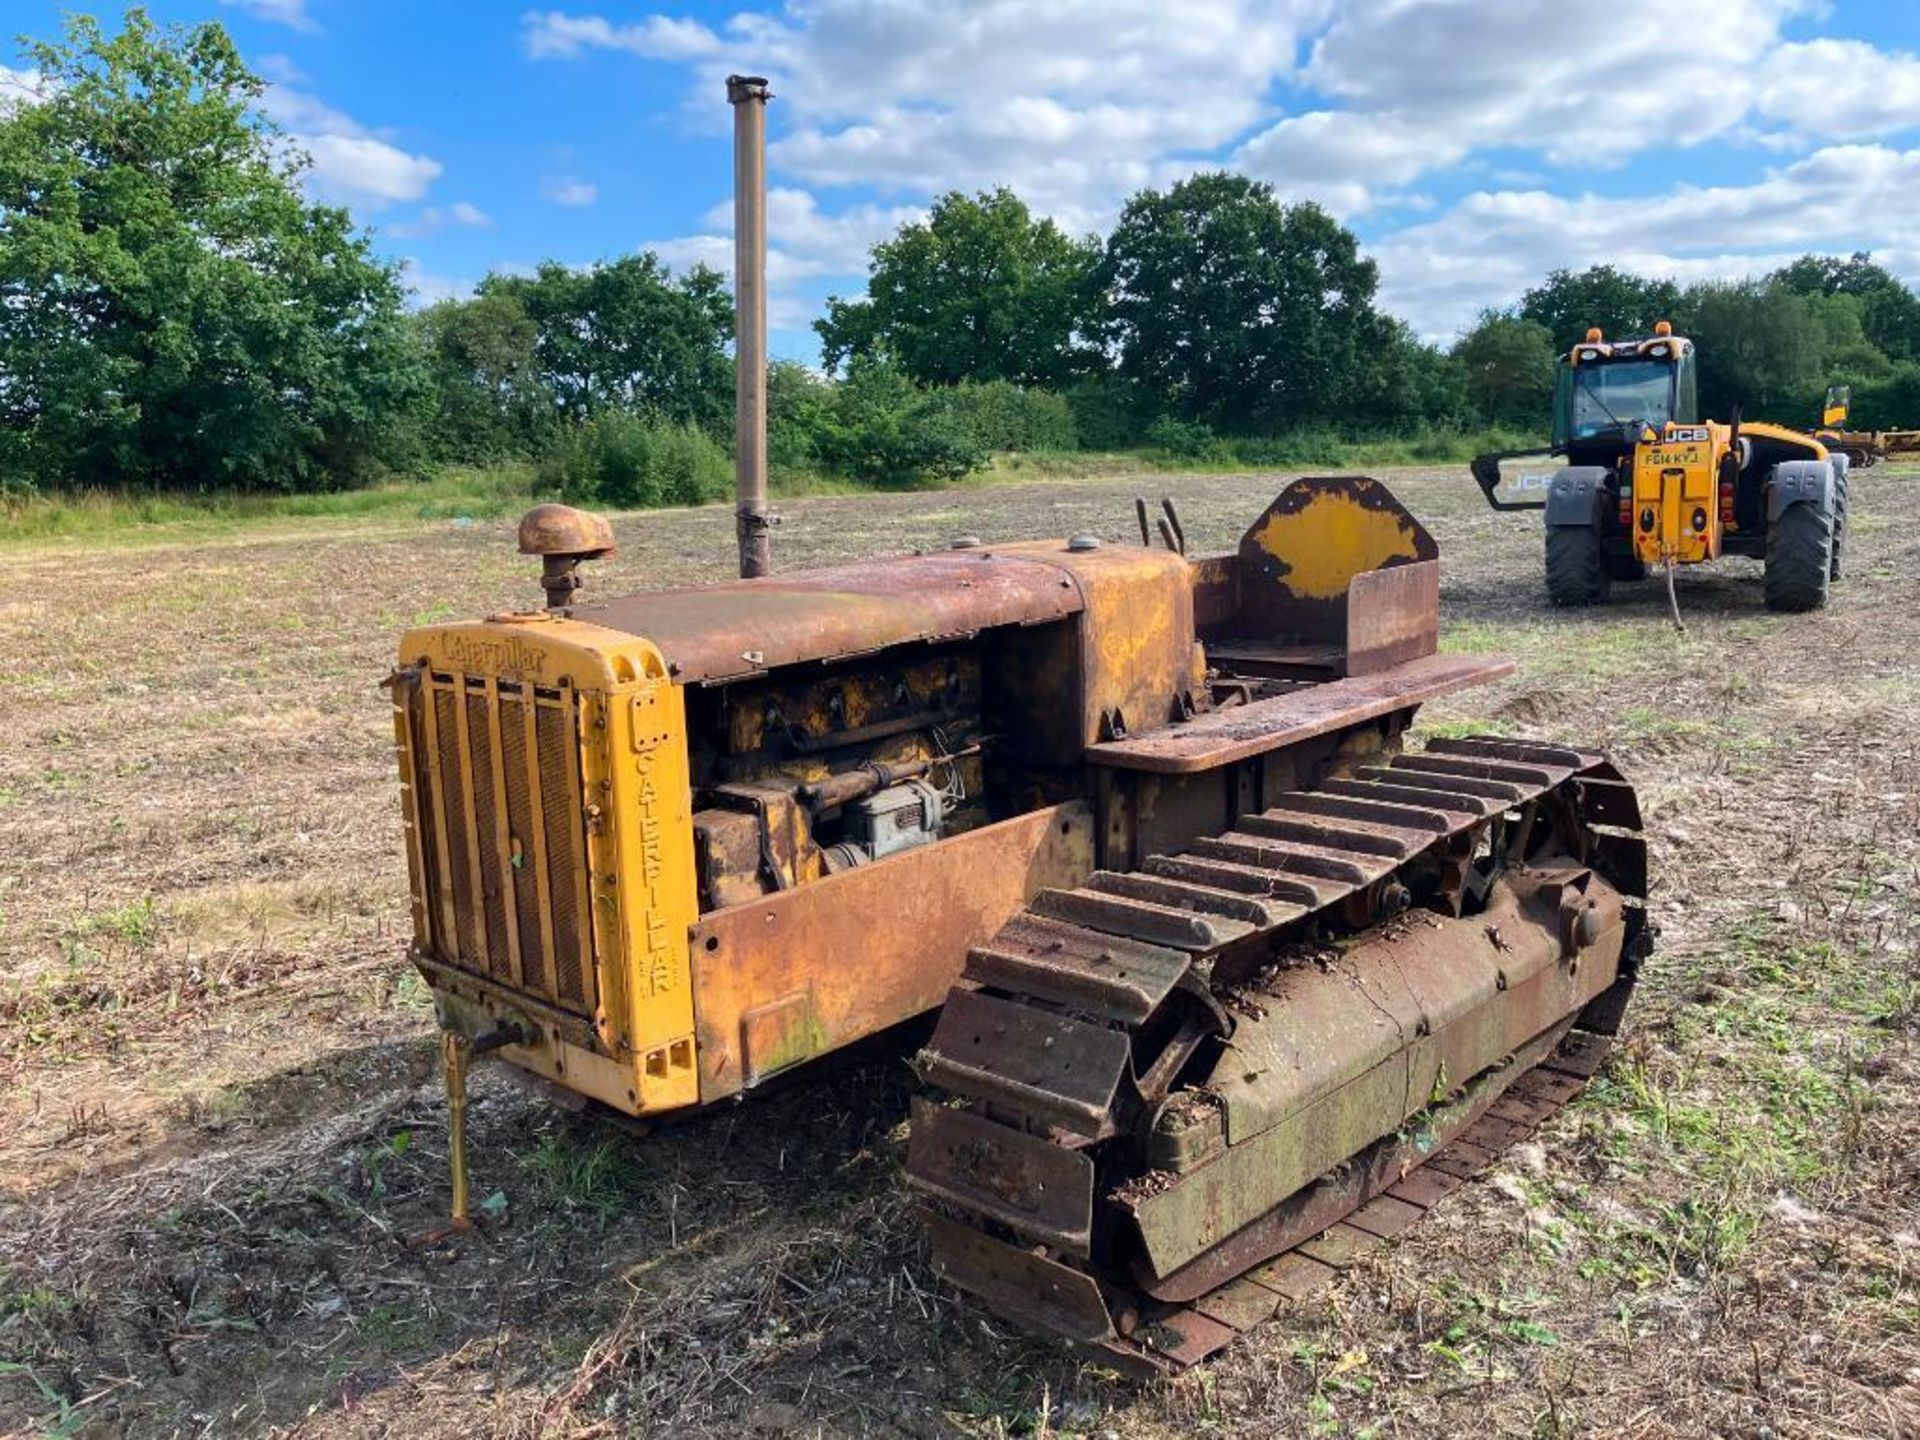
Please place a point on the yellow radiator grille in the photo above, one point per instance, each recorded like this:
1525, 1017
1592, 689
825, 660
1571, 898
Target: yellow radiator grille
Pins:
493, 780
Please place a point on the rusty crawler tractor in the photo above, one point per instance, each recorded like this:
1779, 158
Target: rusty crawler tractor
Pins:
1220, 966
1649, 483
1232, 987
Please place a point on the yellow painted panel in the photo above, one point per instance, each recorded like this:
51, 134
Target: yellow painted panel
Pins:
1330, 541
641, 894
646, 894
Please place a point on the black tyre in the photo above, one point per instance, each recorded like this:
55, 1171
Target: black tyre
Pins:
1623, 564
1841, 465
1799, 558
1576, 570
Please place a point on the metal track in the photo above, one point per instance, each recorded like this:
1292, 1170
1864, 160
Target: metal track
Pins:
1072, 1042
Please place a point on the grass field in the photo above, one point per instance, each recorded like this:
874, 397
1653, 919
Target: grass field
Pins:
219, 1107
464, 492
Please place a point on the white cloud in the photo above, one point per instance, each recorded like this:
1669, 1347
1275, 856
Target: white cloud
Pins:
1195, 68
291, 13
428, 288
370, 172
1494, 244
815, 242
1839, 89
21, 87
554, 35
281, 69
569, 190
785, 309
805, 243
1337, 157
351, 164
299, 111
1075, 104
1422, 84
434, 219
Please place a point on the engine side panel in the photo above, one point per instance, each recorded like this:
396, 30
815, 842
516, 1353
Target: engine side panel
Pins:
794, 975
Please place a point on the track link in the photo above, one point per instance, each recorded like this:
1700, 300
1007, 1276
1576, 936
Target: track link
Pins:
1078, 1040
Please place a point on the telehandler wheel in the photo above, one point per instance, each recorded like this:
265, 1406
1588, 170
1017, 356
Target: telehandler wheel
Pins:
1577, 571
1624, 565
1799, 558
1841, 465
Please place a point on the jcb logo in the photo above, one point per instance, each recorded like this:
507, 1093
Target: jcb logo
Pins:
1687, 435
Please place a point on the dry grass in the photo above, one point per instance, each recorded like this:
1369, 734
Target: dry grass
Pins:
219, 1119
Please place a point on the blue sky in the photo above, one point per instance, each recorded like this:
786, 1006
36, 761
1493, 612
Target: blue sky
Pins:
1473, 146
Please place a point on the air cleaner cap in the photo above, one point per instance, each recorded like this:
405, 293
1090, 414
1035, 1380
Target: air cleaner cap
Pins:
562, 537
563, 530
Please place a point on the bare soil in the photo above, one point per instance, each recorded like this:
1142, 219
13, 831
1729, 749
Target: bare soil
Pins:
220, 1120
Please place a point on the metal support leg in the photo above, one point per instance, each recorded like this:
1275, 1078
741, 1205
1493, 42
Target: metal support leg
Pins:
454, 1050
457, 1052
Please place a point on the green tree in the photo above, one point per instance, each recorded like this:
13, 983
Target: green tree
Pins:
1232, 309
1619, 303
883, 429
634, 462
980, 291
1008, 417
799, 410
1760, 345
172, 310
490, 397
1892, 403
1509, 364
1889, 311
628, 335
1403, 383
1848, 356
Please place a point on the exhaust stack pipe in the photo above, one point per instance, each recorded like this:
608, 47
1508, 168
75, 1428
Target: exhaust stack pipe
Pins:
748, 94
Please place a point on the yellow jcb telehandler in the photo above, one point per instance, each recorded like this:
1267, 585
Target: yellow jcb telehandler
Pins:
1649, 483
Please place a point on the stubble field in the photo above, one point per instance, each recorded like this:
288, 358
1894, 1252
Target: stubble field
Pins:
220, 1117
